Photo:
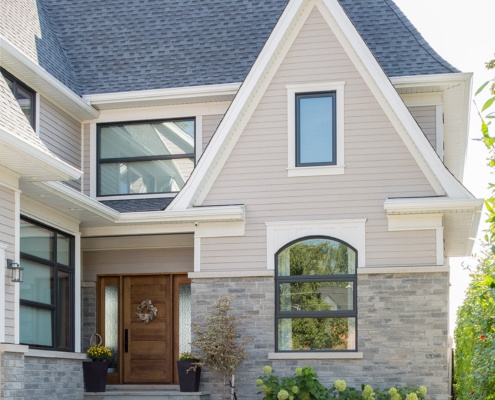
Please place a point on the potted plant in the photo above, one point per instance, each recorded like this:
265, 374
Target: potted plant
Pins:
189, 372
95, 371
221, 346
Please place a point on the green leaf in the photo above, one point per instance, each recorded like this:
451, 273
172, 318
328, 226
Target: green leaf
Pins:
480, 89
488, 103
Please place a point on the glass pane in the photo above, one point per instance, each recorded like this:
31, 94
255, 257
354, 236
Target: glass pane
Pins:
316, 296
147, 139
25, 100
36, 241
63, 311
316, 128
111, 339
145, 177
36, 326
316, 257
316, 334
63, 250
38, 282
184, 318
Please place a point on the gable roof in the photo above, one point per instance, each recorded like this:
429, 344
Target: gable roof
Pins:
116, 46
231, 127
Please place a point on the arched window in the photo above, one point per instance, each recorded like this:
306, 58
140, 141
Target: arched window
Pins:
315, 295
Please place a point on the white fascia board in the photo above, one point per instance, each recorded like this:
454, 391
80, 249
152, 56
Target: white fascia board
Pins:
60, 169
43, 82
430, 80
432, 205
196, 215
227, 89
442, 181
217, 150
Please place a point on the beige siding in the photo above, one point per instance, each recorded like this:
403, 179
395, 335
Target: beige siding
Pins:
210, 125
426, 117
62, 135
378, 166
86, 179
136, 261
7, 236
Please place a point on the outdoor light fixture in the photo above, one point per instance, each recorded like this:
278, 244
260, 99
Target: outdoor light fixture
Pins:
16, 270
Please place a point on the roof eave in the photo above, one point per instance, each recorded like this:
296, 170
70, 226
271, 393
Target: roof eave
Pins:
43, 82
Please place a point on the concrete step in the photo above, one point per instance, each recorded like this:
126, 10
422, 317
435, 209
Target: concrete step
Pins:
145, 392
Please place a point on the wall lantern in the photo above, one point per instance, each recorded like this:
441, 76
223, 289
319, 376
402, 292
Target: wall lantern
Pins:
16, 270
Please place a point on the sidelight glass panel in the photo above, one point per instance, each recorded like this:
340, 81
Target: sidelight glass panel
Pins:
36, 326
184, 318
111, 338
63, 311
38, 282
316, 296
317, 334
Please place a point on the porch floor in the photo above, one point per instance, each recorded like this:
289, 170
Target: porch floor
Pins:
145, 392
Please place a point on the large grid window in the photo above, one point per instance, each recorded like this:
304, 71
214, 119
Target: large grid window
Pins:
24, 95
145, 157
47, 292
316, 296
316, 130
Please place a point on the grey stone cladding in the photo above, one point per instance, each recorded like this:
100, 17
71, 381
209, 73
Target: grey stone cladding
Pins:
402, 332
88, 294
51, 378
11, 376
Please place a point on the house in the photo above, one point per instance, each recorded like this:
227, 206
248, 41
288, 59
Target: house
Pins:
179, 151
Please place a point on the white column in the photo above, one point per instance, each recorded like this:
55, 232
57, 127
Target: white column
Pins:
3, 266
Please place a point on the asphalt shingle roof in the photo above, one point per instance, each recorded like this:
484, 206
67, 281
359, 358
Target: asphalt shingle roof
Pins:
138, 205
116, 45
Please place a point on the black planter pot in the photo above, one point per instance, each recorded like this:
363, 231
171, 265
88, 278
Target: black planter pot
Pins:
95, 376
188, 381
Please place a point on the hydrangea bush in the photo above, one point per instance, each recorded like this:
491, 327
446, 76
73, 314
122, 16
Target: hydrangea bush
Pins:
304, 385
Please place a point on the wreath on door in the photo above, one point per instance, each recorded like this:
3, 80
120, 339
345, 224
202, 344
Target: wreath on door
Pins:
146, 311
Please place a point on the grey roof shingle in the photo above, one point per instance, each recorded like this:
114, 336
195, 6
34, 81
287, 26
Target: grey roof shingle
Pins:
150, 44
138, 205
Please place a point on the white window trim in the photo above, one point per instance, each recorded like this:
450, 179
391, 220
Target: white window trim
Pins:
292, 90
351, 231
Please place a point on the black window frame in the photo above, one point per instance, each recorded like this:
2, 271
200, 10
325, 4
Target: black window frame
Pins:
298, 98
56, 267
316, 278
100, 161
17, 83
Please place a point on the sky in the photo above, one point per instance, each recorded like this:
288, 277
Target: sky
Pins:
461, 31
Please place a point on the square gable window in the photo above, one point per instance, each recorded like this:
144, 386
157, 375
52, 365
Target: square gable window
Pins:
24, 95
315, 129
145, 157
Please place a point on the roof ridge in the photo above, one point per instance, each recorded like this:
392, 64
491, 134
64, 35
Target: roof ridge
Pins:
418, 37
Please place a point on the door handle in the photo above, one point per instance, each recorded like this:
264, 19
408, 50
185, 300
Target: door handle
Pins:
126, 340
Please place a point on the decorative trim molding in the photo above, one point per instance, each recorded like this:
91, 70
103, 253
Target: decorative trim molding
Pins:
316, 356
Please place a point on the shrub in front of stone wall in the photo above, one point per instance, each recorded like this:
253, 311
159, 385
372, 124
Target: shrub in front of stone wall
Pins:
304, 385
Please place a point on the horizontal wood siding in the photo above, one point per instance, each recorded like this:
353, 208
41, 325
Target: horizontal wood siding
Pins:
86, 179
62, 135
210, 125
426, 117
377, 166
136, 261
7, 236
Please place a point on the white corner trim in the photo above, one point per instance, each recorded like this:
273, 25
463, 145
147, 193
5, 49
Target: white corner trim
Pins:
197, 254
64, 355
17, 256
230, 274
440, 245
3, 266
92, 160
292, 90
351, 231
439, 135
428, 269
354, 355
40, 80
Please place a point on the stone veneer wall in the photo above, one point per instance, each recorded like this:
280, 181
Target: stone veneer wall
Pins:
88, 295
402, 332
11, 375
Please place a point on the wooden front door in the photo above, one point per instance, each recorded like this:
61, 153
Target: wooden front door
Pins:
147, 351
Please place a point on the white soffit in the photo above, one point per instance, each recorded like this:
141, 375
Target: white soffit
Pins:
161, 97
30, 73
